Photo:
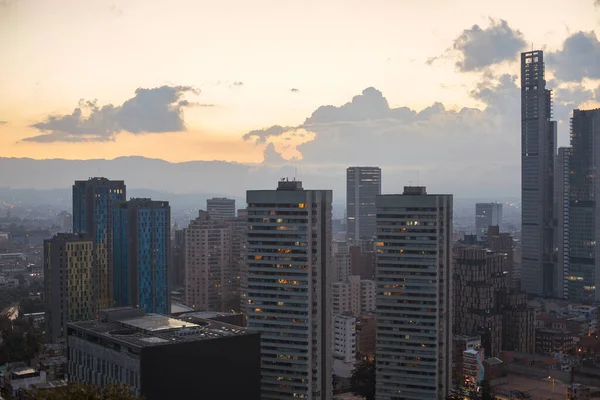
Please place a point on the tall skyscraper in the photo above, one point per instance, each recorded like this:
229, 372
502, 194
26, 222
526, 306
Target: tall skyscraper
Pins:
207, 264
220, 208
363, 184
538, 150
141, 234
486, 215
584, 162
93, 203
563, 198
289, 289
413, 295
68, 294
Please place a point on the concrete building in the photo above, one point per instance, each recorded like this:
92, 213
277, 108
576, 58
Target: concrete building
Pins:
354, 296
142, 244
486, 215
65, 222
220, 208
562, 208
160, 357
178, 257
68, 284
208, 264
414, 292
584, 226
344, 338
363, 185
239, 255
289, 289
93, 204
502, 242
538, 150
342, 265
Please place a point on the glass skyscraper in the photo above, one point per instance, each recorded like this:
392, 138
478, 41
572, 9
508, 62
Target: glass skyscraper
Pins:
363, 184
141, 229
93, 203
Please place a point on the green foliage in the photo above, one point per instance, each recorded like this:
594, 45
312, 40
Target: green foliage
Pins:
79, 391
363, 380
21, 341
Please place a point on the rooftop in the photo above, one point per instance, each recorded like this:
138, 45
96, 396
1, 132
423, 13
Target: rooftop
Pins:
154, 329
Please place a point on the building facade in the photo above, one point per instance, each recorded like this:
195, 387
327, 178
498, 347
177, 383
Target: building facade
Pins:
68, 284
141, 233
354, 296
538, 149
207, 264
158, 356
93, 204
363, 185
344, 338
289, 289
563, 200
414, 292
486, 215
220, 208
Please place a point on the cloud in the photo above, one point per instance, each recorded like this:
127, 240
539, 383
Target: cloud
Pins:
567, 98
262, 135
597, 3
294, 90
272, 156
3, 122
579, 58
238, 83
149, 111
481, 48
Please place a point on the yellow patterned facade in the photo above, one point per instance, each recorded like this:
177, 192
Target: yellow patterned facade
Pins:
78, 268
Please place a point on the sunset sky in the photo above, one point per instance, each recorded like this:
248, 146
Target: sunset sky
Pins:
245, 65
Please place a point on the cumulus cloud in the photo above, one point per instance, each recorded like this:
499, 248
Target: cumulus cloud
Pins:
579, 58
262, 135
272, 156
149, 111
479, 48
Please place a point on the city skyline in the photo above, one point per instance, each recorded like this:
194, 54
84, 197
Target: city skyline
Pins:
455, 84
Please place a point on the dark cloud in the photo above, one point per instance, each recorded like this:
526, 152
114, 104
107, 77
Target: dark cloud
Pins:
294, 90
481, 48
597, 3
568, 98
3, 122
579, 58
262, 135
149, 111
271, 156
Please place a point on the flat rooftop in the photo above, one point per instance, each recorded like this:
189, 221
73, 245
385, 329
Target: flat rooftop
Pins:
156, 330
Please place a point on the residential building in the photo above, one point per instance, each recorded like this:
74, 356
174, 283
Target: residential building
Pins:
584, 228
342, 265
503, 242
160, 357
208, 264
414, 292
366, 336
486, 215
290, 272
538, 149
344, 338
461, 344
563, 201
239, 229
363, 184
220, 208
353, 296
93, 204
518, 322
141, 234
362, 262
68, 284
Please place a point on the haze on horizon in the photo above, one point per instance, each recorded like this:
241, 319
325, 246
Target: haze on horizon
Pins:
320, 85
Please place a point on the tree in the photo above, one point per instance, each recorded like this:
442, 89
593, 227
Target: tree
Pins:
363, 380
80, 391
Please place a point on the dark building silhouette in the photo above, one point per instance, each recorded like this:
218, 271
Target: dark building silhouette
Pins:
363, 184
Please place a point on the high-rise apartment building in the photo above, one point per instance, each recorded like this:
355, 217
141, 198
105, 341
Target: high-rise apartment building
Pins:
207, 264
344, 338
562, 208
220, 208
363, 184
353, 295
414, 292
486, 215
141, 234
68, 284
584, 161
93, 204
289, 289
538, 150
239, 229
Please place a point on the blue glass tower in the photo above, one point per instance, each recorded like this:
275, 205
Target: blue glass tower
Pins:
141, 233
93, 204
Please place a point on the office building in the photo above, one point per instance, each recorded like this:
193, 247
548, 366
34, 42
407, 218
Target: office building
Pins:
220, 208
414, 292
538, 149
93, 204
486, 215
160, 357
363, 184
289, 289
563, 200
141, 234
239, 229
502, 242
68, 284
584, 268
518, 322
207, 264
178, 254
